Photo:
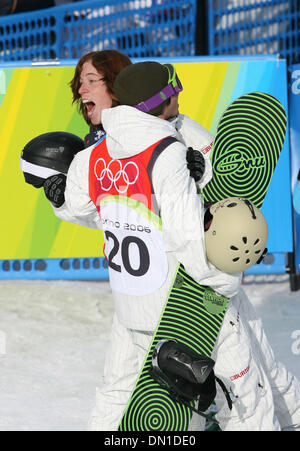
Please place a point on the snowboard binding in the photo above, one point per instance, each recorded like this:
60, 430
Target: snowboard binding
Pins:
187, 375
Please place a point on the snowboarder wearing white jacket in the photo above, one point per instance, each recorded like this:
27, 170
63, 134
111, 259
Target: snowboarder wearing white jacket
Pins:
266, 396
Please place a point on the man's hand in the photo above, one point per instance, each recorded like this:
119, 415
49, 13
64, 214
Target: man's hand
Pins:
54, 188
196, 163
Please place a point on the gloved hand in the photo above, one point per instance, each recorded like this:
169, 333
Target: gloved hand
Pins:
54, 188
196, 163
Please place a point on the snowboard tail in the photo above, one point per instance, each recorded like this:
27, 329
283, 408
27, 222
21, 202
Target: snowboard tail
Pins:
193, 315
249, 139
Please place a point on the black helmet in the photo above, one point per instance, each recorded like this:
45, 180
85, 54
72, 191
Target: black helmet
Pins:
47, 155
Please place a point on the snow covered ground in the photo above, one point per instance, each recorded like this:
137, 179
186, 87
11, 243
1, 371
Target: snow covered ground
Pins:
53, 337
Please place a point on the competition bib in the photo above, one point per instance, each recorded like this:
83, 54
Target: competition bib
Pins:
122, 192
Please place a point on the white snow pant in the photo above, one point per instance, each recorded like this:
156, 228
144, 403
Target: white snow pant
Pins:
267, 396
124, 359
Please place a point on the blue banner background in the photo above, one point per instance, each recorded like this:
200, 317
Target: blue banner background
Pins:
294, 108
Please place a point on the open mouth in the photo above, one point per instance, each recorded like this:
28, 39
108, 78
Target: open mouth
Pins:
90, 107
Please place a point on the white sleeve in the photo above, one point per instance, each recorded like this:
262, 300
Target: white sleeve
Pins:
182, 214
192, 134
78, 207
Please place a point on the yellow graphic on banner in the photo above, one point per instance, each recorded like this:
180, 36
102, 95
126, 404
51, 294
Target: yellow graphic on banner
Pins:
39, 100
9, 109
201, 89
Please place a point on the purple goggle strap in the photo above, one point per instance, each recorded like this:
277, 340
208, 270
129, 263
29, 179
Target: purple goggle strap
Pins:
158, 98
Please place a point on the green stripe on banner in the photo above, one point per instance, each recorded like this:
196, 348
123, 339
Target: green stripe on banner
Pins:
227, 88
5, 76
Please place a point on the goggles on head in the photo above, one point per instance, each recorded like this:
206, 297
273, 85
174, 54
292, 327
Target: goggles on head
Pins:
173, 87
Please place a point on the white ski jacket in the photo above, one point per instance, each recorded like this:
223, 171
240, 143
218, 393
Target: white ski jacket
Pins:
267, 396
129, 132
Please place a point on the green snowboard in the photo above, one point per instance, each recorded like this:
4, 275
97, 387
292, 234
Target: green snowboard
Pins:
248, 143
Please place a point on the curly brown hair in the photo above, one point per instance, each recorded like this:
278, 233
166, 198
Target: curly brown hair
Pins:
108, 63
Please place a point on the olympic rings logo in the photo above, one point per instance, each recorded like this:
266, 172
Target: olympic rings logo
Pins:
115, 175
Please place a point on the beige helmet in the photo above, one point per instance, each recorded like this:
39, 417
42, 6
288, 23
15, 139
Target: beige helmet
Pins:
236, 233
